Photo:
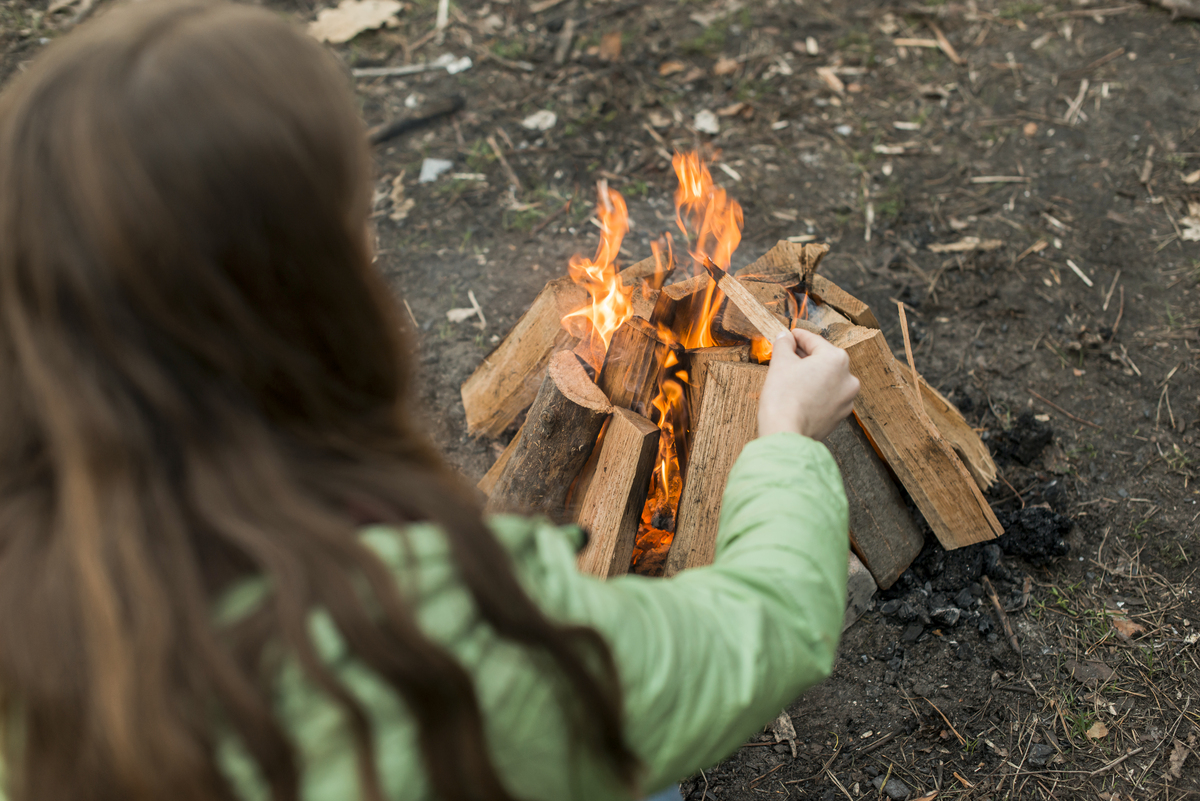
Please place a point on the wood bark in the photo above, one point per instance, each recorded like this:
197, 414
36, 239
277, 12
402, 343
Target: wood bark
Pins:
611, 508
507, 381
882, 530
829, 293
632, 366
556, 441
921, 458
488, 482
728, 420
958, 432
698, 361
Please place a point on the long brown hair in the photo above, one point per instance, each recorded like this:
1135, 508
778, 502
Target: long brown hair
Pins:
201, 379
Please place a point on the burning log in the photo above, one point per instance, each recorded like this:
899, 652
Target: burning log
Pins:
613, 499
698, 361
555, 443
922, 459
882, 531
676, 296
631, 369
728, 420
507, 381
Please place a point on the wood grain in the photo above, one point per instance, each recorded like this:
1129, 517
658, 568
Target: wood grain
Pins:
728, 420
921, 458
611, 508
559, 434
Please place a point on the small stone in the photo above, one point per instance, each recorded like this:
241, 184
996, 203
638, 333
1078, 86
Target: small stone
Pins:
894, 789
706, 122
1040, 754
964, 599
913, 632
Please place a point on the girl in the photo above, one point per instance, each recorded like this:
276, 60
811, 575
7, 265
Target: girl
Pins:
231, 568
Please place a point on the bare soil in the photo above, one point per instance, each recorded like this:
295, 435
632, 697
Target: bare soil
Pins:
1098, 703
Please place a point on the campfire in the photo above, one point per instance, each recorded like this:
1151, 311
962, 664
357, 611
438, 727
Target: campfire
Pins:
639, 388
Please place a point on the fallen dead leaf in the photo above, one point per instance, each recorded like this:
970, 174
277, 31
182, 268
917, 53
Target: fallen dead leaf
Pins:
1098, 731
610, 46
1179, 754
783, 729
732, 109
460, 315
726, 66
1192, 177
1191, 223
1090, 672
660, 120
351, 18
966, 244
671, 67
831, 79
401, 205
1126, 628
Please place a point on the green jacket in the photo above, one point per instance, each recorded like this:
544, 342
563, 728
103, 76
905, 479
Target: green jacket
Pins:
705, 658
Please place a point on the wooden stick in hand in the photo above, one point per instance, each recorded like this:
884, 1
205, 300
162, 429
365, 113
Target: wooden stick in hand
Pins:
759, 315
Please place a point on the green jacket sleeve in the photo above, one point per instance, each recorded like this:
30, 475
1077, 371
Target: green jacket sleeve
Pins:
709, 656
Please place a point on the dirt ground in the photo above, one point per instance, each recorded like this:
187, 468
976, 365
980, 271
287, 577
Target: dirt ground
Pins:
1069, 132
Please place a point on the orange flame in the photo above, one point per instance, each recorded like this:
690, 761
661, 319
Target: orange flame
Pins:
711, 222
611, 305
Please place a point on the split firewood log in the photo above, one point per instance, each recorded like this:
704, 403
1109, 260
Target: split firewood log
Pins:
728, 420
612, 501
507, 381
555, 442
920, 456
882, 530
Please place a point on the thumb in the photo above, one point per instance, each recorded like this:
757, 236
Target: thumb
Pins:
808, 342
784, 348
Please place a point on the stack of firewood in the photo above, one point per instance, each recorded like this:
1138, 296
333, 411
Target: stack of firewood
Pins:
588, 445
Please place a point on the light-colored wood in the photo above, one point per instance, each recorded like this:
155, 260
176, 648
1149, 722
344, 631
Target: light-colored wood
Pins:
921, 458
488, 482
860, 589
507, 381
774, 297
698, 360
632, 366
559, 434
728, 420
611, 508
958, 432
787, 258
882, 530
759, 316
829, 293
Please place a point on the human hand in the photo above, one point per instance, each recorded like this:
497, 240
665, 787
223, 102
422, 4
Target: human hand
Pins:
809, 391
